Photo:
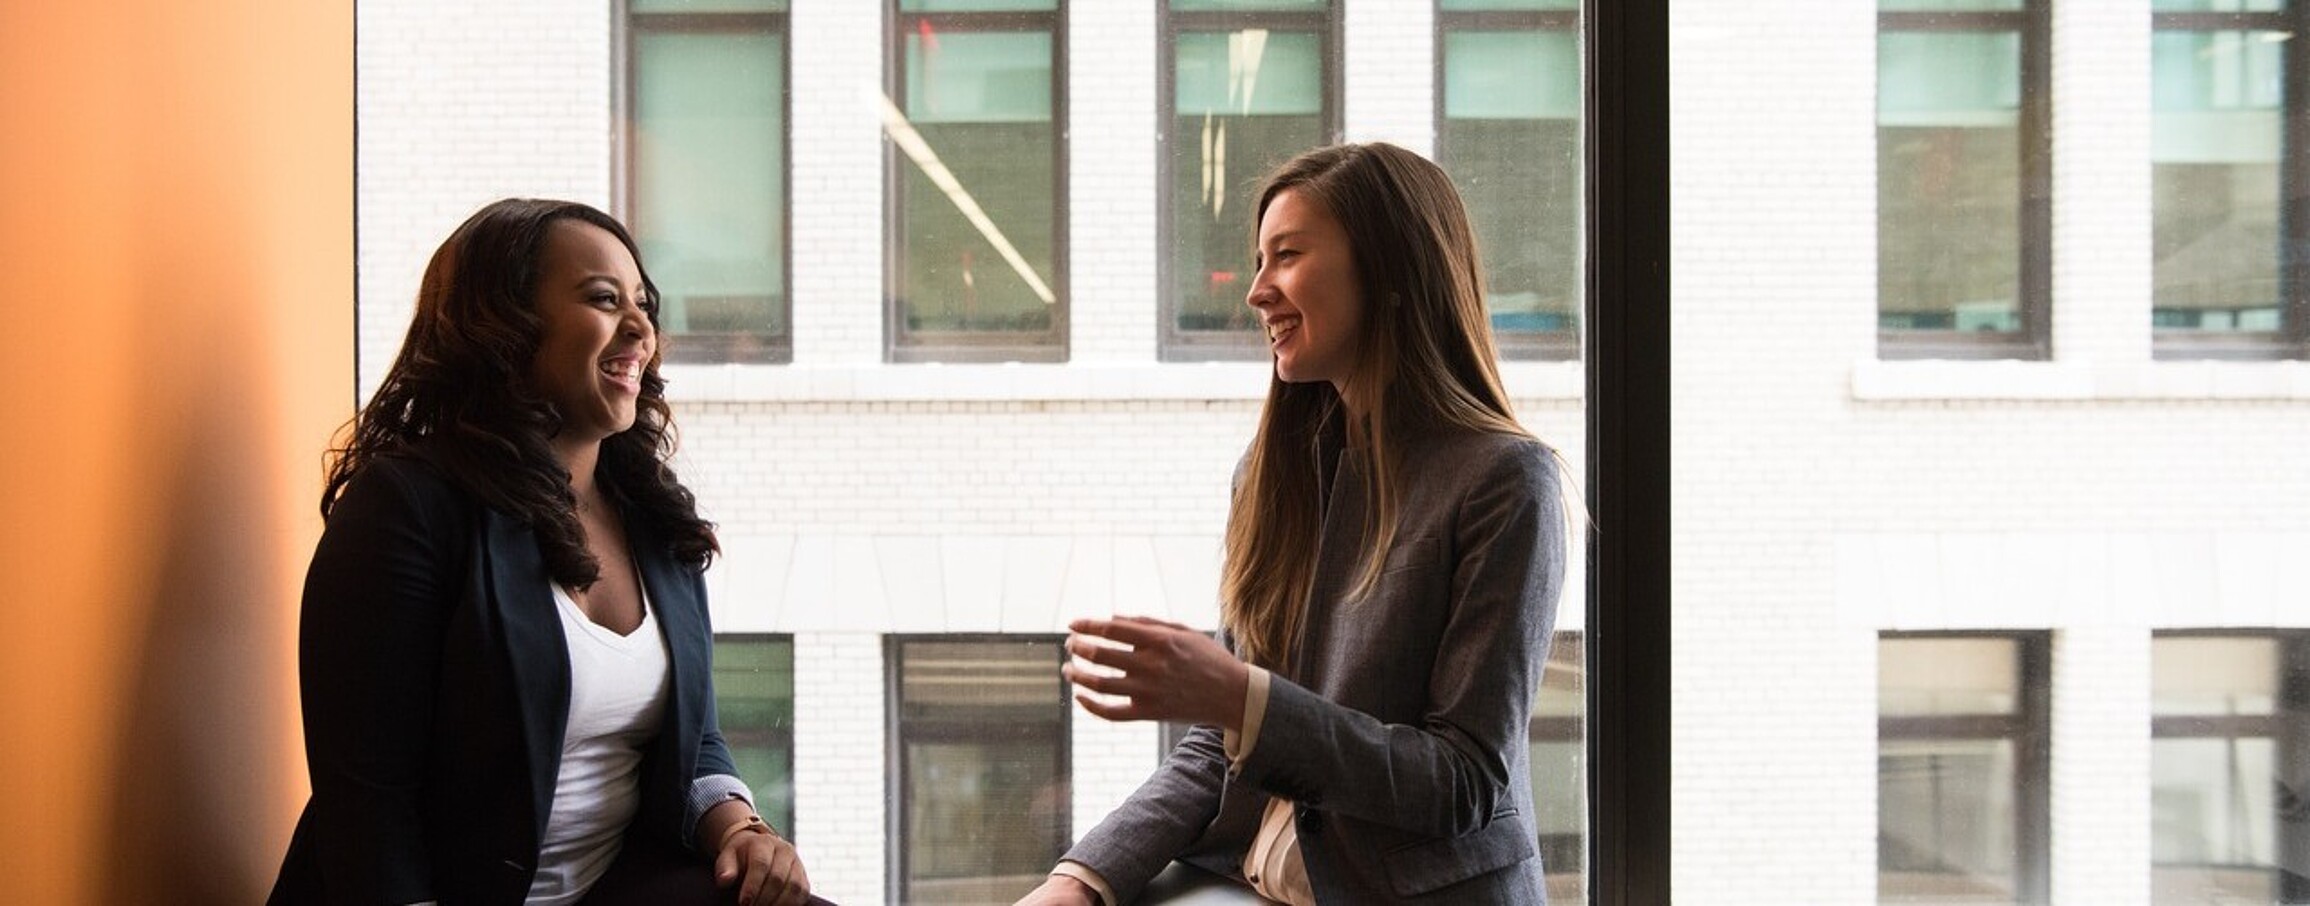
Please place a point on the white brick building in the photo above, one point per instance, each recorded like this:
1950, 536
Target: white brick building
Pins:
1823, 495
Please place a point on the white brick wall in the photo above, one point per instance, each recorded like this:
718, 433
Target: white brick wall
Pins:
1390, 73
840, 768
1112, 146
1820, 495
837, 181
2101, 763
453, 115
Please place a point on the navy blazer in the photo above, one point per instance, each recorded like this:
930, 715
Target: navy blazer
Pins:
1400, 729
436, 687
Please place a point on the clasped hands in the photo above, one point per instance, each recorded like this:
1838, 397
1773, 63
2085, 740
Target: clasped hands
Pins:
1142, 668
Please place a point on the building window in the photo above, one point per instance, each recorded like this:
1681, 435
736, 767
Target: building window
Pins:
704, 173
1508, 130
977, 265
754, 698
980, 766
1964, 221
1961, 767
2230, 767
2220, 118
1560, 769
1247, 85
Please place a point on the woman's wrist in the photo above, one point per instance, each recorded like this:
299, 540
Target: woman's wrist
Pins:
751, 823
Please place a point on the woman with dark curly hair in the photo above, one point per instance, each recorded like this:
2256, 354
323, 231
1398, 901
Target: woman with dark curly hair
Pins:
504, 651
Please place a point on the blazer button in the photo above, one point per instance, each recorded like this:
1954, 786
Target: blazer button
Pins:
1310, 822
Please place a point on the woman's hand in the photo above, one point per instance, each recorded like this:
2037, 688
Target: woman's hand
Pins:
1167, 672
763, 865
1060, 890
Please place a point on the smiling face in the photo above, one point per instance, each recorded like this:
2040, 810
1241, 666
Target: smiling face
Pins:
1306, 291
595, 336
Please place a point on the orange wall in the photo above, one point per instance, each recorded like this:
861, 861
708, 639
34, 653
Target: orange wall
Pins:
176, 275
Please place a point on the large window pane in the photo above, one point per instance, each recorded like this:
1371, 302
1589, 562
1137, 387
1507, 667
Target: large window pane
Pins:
708, 181
754, 698
1948, 182
981, 742
2228, 767
976, 222
1509, 133
1560, 768
2216, 141
1961, 777
1248, 91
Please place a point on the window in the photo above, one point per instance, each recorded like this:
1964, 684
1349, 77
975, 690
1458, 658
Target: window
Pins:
2220, 117
1559, 771
979, 766
1961, 768
977, 172
1249, 83
705, 173
2230, 767
1963, 214
754, 698
1508, 130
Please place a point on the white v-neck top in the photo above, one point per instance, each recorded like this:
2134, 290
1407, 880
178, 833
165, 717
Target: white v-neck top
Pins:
617, 697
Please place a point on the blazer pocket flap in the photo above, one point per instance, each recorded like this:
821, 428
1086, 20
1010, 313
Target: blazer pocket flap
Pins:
1430, 865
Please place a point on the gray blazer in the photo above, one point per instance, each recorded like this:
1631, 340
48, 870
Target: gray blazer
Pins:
1400, 732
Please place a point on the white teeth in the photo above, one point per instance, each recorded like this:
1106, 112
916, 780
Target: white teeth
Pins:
1280, 327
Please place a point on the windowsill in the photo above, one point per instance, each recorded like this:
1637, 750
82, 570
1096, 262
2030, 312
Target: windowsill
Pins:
1875, 380
1014, 382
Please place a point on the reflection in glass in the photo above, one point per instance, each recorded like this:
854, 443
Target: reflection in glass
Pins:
754, 699
2215, 144
1949, 181
1560, 769
982, 743
1945, 821
1960, 770
1510, 137
709, 185
2230, 768
1242, 102
976, 206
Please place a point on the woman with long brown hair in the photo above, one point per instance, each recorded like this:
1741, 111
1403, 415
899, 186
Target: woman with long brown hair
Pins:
1394, 552
504, 652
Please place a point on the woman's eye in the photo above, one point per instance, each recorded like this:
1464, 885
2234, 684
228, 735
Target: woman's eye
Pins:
605, 300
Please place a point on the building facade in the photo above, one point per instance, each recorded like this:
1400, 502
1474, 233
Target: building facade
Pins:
1990, 406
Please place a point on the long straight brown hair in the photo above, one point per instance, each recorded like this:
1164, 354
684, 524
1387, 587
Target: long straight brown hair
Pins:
1425, 363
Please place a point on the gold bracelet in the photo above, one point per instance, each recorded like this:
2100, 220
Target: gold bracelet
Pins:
752, 822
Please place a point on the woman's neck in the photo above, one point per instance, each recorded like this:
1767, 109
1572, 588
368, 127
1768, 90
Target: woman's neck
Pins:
579, 460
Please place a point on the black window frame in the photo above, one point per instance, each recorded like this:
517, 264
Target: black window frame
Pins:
2033, 24
1626, 360
1519, 345
2029, 728
2292, 338
895, 726
899, 344
2288, 727
709, 348
1173, 344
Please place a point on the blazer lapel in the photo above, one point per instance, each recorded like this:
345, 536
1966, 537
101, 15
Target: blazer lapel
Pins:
537, 654
681, 620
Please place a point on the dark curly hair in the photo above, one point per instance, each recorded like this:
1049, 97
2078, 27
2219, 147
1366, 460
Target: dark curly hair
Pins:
459, 396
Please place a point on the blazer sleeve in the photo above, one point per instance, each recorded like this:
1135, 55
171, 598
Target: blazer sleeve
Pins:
1449, 774
376, 603
1161, 820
